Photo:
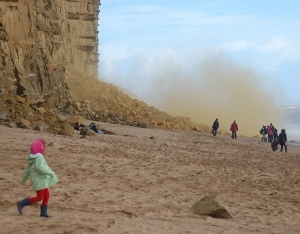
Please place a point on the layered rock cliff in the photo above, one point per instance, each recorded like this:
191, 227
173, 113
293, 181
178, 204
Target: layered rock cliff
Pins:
48, 65
41, 41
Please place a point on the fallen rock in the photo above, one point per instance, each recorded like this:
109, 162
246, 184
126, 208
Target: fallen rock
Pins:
142, 125
42, 110
25, 122
73, 119
210, 206
87, 132
39, 125
51, 144
66, 129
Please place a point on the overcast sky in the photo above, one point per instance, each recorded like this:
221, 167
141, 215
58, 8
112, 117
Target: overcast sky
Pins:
139, 40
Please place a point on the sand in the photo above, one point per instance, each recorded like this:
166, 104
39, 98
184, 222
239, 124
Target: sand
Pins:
129, 183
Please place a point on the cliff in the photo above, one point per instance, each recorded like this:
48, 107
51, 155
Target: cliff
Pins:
48, 66
41, 40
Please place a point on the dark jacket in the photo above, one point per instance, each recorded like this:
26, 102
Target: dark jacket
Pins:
263, 130
79, 127
282, 138
275, 133
215, 124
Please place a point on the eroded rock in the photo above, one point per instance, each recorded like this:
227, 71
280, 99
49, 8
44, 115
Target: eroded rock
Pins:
73, 119
66, 129
87, 132
45, 34
210, 206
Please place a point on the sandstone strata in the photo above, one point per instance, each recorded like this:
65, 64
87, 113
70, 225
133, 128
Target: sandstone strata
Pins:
48, 66
41, 40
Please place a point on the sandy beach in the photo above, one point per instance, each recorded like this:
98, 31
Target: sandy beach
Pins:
129, 183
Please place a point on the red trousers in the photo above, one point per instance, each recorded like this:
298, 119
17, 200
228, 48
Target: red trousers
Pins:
41, 195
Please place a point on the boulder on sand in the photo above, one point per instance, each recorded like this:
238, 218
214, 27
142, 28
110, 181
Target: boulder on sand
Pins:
66, 129
210, 206
73, 119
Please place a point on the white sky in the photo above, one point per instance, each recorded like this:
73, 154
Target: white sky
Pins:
137, 37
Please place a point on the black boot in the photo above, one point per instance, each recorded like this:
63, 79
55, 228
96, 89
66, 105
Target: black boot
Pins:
44, 211
21, 204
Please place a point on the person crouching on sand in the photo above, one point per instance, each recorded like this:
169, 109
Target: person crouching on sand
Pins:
41, 175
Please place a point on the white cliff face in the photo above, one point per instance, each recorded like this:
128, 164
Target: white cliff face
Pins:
41, 40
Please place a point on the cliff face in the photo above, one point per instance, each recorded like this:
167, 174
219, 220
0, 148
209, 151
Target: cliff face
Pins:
41, 41
48, 65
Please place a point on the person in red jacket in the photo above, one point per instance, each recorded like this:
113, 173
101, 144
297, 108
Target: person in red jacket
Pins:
234, 128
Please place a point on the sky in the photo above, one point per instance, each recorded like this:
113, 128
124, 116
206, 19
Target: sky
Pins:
235, 55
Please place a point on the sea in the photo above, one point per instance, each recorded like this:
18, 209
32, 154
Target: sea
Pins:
291, 115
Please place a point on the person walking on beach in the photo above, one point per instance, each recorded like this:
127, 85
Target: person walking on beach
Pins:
234, 128
42, 177
215, 127
283, 140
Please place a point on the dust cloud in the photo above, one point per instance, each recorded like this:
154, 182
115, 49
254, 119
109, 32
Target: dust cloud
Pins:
203, 89
214, 88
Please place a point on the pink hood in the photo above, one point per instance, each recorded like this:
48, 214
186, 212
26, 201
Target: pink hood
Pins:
38, 146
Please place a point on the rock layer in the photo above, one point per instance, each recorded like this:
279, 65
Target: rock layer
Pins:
48, 66
41, 40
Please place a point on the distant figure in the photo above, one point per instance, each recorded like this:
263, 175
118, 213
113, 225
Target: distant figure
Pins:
272, 126
275, 141
92, 126
215, 127
234, 128
270, 133
41, 175
283, 140
275, 133
274, 144
264, 132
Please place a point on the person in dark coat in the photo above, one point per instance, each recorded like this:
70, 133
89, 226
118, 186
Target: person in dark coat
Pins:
78, 126
275, 133
215, 127
283, 140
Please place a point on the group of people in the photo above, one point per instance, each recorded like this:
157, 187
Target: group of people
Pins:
78, 126
269, 134
233, 128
